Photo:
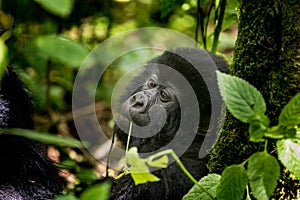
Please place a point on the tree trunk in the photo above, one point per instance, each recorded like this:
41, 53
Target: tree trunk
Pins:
267, 54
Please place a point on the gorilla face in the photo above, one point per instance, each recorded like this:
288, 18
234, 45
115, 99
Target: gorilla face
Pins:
168, 101
140, 104
153, 108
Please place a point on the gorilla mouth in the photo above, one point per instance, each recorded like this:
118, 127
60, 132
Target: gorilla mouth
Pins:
140, 108
140, 118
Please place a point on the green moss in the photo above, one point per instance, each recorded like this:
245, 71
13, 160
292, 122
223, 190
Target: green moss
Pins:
232, 147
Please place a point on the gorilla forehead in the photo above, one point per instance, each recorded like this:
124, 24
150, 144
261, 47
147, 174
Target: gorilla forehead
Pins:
165, 76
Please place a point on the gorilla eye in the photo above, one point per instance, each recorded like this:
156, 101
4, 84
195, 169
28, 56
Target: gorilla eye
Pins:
164, 95
152, 83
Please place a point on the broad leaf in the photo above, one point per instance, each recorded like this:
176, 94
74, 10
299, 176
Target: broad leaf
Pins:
62, 49
44, 137
87, 175
161, 162
243, 100
233, 183
263, 172
257, 131
133, 156
66, 197
97, 192
3, 57
209, 182
289, 154
61, 8
276, 132
142, 177
138, 168
290, 114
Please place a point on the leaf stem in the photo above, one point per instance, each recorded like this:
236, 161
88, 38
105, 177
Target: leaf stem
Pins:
109, 153
266, 145
218, 27
128, 139
172, 153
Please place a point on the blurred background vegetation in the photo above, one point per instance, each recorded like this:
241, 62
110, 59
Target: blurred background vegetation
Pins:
46, 41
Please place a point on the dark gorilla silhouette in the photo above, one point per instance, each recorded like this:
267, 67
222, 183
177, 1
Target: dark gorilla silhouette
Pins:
26, 173
159, 87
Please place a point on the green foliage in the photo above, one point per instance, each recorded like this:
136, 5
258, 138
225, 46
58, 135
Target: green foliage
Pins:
166, 7
263, 172
290, 115
61, 8
247, 104
66, 197
3, 48
210, 182
138, 168
96, 192
289, 154
3, 57
233, 183
220, 13
242, 99
61, 49
44, 137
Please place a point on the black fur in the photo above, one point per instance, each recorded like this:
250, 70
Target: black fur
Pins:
26, 173
173, 184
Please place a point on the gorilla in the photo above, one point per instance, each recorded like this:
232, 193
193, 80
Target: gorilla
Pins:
26, 173
162, 101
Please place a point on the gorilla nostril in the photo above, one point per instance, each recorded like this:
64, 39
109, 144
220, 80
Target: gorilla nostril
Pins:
138, 101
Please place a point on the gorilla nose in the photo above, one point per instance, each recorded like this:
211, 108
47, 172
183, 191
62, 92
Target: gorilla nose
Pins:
139, 102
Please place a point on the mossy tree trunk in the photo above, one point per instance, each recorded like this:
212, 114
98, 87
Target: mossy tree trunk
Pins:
267, 54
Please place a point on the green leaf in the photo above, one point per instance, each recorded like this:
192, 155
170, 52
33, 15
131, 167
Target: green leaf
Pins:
133, 156
166, 7
87, 175
66, 197
97, 192
289, 154
142, 177
257, 131
62, 49
61, 8
160, 162
263, 173
68, 164
276, 132
38, 60
3, 57
233, 183
290, 114
209, 182
243, 100
230, 16
44, 137
138, 168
